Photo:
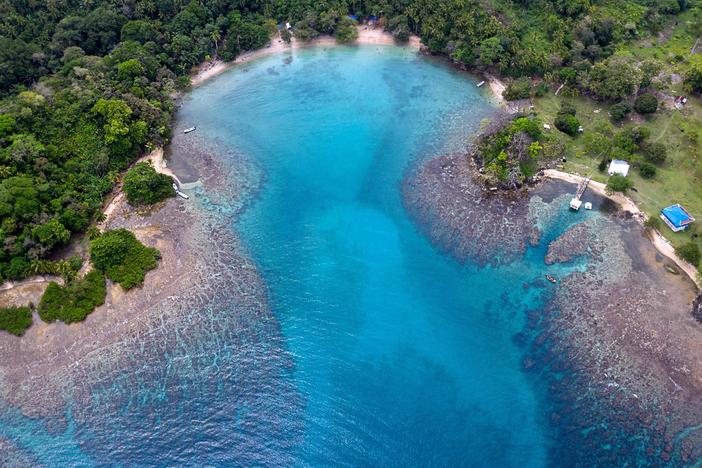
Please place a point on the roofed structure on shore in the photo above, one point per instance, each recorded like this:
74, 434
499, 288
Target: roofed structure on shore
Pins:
619, 167
676, 217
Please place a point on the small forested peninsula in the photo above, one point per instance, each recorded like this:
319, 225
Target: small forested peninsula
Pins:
87, 87
509, 151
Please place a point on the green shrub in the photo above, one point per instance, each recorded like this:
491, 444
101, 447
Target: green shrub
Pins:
541, 89
567, 123
646, 104
655, 153
625, 141
129, 69
15, 320
619, 183
619, 111
531, 127
613, 78
17, 268
693, 76
144, 186
647, 170
74, 301
518, 89
604, 163
122, 257
51, 233
639, 134
566, 120
690, 252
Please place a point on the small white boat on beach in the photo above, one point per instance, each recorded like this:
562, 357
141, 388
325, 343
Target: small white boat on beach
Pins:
191, 129
179, 193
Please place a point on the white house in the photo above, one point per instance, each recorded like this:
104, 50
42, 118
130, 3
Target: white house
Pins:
617, 166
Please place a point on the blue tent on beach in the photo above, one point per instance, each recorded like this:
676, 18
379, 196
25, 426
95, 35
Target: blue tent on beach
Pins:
676, 217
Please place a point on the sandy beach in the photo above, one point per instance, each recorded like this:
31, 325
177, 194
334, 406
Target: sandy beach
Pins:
497, 87
627, 204
366, 36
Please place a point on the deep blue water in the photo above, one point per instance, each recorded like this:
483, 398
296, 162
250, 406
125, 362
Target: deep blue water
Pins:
396, 354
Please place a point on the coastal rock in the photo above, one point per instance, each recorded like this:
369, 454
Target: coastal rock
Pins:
569, 245
455, 211
12, 456
697, 308
614, 341
578, 241
95, 369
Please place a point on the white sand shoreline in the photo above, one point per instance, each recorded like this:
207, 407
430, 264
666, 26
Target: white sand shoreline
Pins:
497, 87
659, 241
368, 36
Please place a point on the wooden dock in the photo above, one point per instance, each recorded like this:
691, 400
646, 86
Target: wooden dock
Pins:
582, 187
576, 202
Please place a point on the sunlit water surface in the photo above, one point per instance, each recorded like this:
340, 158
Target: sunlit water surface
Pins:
399, 355
402, 355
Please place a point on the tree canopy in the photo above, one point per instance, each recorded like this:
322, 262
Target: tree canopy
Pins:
122, 257
144, 186
86, 87
15, 320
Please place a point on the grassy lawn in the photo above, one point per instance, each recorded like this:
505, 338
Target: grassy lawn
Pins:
679, 179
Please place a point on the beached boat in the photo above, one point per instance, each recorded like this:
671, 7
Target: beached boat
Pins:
181, 194
551, 279
191, 129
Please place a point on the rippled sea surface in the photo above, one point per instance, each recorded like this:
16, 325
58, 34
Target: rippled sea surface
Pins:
402, 355
395, 354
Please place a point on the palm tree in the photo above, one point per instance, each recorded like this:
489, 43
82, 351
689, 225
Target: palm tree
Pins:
216, 36
64, 269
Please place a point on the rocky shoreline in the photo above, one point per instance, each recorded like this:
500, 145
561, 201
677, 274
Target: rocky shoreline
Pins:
615, 348
96, 366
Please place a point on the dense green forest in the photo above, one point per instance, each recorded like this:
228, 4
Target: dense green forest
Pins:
88, 85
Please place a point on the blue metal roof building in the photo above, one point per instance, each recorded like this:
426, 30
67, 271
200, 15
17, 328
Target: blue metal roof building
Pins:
676, 217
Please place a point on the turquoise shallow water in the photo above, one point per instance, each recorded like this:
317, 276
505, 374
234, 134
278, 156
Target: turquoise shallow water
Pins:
402, 355
379, 349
